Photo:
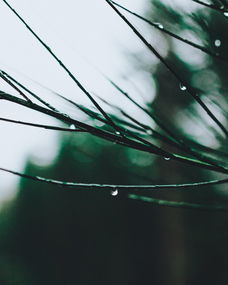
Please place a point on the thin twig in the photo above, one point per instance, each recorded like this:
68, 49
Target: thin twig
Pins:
48, 127
30, 92
2, 75
176, 204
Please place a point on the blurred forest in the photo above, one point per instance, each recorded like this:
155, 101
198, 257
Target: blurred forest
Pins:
54, 235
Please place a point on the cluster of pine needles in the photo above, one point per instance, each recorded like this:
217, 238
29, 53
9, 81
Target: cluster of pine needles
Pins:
127, 131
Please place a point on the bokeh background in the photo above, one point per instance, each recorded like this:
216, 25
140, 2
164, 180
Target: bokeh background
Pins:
51, 235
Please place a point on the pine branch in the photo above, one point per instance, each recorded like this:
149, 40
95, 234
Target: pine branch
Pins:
116, 188
174, 140
108, 187
189, 89
76, 81
181, 146
110, 136
164, 30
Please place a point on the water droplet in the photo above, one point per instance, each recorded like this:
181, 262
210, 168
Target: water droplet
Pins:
118, 133
149, 132
114, 192
167, 158
217, 43
160, 26
225, 14
182, 87
72, 127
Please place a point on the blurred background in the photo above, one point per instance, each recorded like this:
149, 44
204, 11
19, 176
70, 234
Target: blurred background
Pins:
51, 235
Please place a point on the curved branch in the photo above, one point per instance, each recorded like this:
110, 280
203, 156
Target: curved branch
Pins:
109, 187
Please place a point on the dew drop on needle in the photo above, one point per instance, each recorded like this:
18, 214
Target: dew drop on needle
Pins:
182, 87
217, 43
72, 127
160, 26
114, 192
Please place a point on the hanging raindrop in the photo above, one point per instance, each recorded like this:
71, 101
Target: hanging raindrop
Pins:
167, 158
160, 26
114, 192
149, 132
217, 43
225, 14
182, 87
72, 127
117, 133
